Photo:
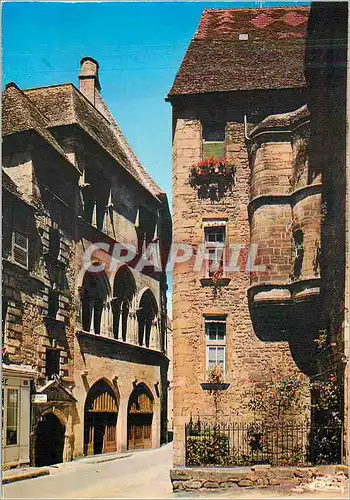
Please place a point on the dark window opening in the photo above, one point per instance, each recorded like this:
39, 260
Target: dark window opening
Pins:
96, 192
146, 317
94, 294
54, 242
298, 253
213, 140
52, 365
146, 227
123, 293
214, 234
53, 304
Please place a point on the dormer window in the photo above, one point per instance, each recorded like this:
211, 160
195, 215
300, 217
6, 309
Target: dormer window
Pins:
213, 140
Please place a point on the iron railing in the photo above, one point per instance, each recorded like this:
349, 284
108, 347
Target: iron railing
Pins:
244, 444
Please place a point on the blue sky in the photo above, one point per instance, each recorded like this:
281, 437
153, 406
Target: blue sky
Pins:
139, 47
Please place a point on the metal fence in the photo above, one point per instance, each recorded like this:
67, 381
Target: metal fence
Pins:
244, 444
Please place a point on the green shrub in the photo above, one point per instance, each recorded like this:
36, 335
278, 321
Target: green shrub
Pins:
208, 449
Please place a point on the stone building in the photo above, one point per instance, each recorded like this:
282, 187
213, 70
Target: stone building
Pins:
326, 74
240, 93
170, 378
95, 340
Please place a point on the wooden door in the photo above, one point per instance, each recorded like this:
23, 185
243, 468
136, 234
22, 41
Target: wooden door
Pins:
140, 431
109, 438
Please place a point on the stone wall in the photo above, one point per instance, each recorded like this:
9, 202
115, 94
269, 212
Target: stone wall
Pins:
251, 357
50, 191
236, 479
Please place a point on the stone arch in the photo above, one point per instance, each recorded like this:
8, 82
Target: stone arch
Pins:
140, 417
94, 294
146, 316
100, 418
110, 384
124, 290
50, 437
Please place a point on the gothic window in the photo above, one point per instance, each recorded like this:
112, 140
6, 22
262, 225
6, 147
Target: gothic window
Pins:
96, 195
94, 295
215, 332
213, 140
146, 317
123, 292
52, 364
146, 227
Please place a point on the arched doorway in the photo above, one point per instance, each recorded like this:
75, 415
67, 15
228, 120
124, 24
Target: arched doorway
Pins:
140, 416
100, 420
94, 293
124, 289
146, 315
49, 440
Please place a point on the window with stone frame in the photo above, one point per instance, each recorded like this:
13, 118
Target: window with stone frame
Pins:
213, 140
214, 237
52, 363
215, 333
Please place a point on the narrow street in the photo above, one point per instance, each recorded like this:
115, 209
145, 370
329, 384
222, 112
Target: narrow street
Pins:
144, 474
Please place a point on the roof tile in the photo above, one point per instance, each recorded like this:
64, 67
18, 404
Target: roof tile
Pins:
272, 57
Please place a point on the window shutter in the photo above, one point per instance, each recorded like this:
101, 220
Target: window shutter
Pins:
20, 249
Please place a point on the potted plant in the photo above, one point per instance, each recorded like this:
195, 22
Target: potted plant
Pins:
215, 380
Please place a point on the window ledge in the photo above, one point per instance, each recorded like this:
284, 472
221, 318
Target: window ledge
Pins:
211, 282
208, 386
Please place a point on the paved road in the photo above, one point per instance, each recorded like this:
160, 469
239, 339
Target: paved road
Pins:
144, 474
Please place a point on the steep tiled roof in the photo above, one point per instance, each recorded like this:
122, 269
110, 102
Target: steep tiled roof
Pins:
20, 114
244, 49
65, 105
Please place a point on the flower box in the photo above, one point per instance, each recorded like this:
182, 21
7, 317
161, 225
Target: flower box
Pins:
209, 386
213, 171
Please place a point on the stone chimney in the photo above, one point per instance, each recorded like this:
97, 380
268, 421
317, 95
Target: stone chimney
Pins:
89, 83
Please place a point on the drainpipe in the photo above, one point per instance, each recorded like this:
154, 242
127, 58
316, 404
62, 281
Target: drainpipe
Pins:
246, 128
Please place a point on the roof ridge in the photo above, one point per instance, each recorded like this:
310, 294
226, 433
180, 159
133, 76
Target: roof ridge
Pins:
116, 128
34, 119
30, 102
257, 8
